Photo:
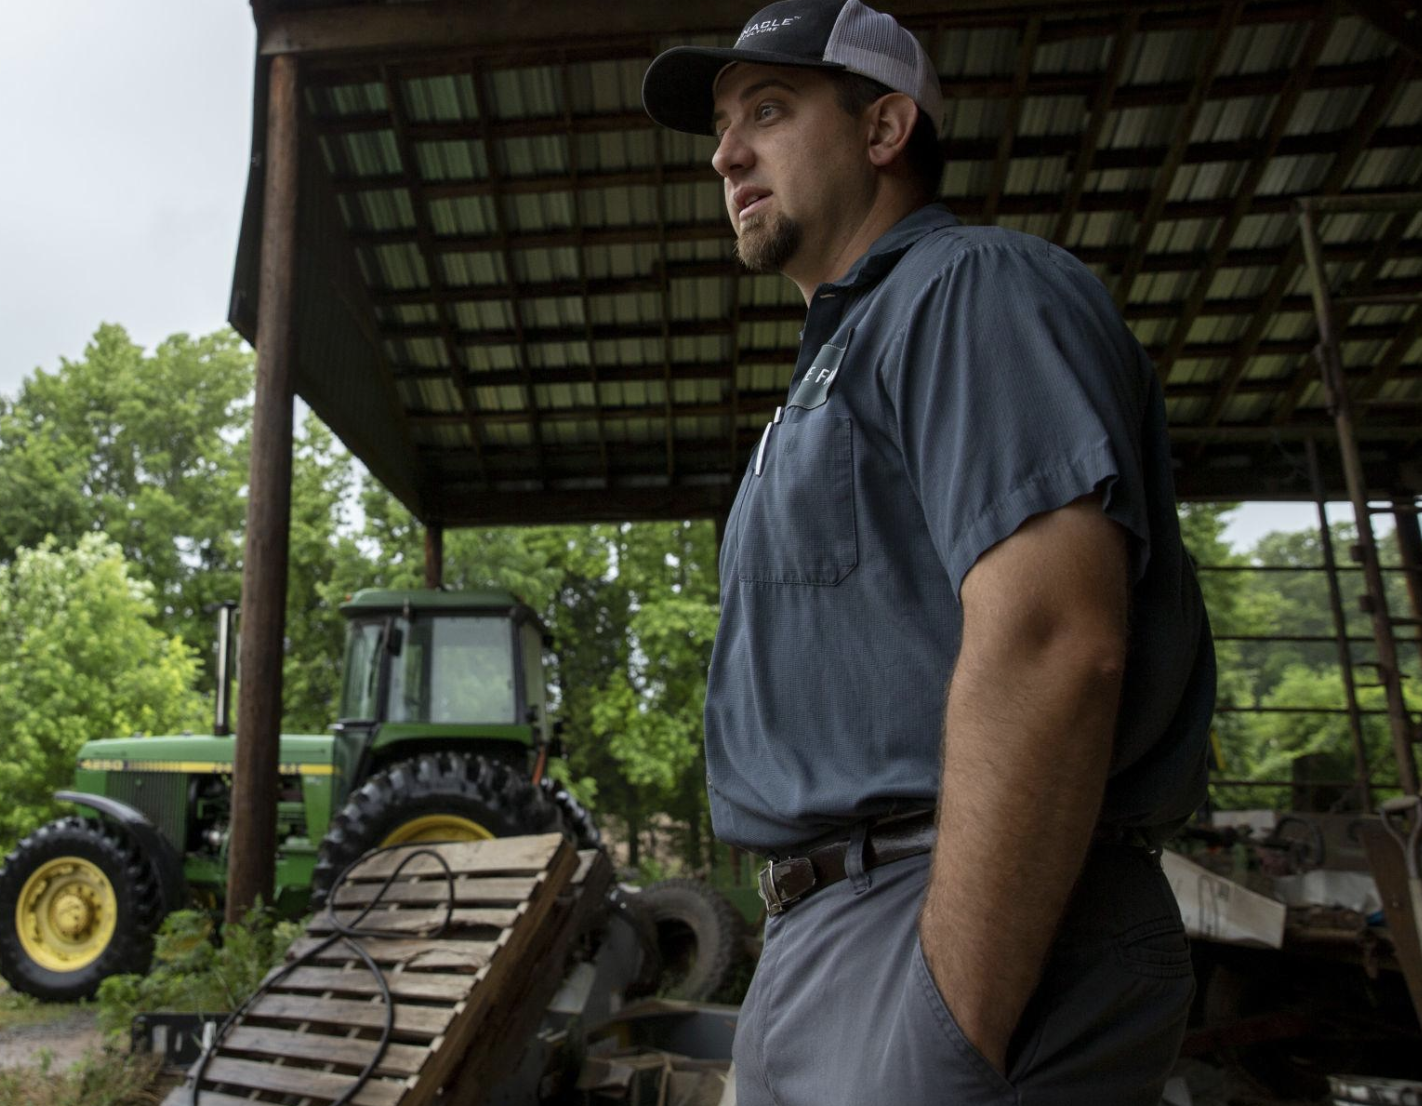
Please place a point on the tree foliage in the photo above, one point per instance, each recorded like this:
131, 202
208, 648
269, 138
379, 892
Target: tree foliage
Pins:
80, 658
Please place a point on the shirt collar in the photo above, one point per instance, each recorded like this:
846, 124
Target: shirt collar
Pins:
884, 254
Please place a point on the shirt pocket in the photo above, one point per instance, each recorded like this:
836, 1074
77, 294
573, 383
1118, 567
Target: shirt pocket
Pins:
797, 518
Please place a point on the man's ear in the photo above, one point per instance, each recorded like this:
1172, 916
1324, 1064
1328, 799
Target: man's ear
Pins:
891, 121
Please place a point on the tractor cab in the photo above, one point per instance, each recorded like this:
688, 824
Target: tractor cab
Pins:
426, 669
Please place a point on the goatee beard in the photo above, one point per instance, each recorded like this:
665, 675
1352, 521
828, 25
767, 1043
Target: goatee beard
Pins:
768, 244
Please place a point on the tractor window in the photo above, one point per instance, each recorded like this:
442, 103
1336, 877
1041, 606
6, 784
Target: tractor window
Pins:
454, 669
362, 671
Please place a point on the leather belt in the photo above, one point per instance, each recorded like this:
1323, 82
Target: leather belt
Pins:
784, 882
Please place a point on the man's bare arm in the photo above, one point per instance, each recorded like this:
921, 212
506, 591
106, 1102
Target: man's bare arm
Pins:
1028, 734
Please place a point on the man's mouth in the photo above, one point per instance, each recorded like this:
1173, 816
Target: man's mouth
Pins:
748, 201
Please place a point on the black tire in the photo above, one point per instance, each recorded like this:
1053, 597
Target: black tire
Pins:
476, 788
577, 821
136, 914
699, 937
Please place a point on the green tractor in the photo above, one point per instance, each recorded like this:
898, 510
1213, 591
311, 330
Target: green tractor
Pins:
443, 735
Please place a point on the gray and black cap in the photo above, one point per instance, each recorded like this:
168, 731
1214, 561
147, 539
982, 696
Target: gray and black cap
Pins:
813, 34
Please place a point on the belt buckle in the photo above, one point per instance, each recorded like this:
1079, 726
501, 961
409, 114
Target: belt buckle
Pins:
775, 902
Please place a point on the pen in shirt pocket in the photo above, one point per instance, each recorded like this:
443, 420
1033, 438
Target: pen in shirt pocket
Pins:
765, 440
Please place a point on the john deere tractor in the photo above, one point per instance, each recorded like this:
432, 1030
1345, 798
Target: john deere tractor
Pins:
443, 735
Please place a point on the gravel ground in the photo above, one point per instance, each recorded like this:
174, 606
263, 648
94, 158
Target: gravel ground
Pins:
67, 1039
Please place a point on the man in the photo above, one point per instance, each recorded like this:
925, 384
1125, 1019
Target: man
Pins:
969, 485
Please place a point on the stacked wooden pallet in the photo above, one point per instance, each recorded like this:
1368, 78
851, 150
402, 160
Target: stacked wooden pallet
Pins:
464, 1001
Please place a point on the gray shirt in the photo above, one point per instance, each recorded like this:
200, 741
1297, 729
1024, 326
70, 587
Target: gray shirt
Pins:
955, 382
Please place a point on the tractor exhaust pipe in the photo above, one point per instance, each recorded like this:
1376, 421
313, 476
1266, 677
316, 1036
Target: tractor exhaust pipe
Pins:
222, 722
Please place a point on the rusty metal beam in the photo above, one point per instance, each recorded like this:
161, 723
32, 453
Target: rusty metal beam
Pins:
1378, 104
582, 285
1390, 20
716, 231
716, 327
252, 857
1009, 203
501, 25
1405, 289
1184, 126
1002, 156
1086, 85
1091, 137
1245, 188
479, 78
445, 327
1365, 284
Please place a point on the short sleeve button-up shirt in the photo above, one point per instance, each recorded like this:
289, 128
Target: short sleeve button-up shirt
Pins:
955, 382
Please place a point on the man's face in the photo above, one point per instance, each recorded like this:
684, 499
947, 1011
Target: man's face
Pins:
790, 158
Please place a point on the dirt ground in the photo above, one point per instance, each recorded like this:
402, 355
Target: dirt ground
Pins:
68, 1038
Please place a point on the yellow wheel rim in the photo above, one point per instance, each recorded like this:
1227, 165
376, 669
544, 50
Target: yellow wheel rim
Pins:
436, 827
66, 914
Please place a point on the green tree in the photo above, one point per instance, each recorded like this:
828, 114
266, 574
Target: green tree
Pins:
147, 448
80, 658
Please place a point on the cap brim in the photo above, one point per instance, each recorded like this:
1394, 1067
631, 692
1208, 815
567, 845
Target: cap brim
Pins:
677, 89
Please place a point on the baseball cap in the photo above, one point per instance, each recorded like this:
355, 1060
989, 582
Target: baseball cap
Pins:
813, 34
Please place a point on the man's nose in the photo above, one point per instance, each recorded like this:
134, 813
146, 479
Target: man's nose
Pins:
731, 153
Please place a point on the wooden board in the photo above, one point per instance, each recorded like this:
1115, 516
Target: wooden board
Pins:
1390, 871
312, 1031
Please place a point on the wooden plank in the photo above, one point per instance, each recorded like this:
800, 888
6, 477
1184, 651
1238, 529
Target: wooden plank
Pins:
488, 992
307, 1082
359, 981
501, 982
468, 891
500, 856
1389, 867
353, 1052
505, 1035
420, 1022
413, 953
416, 921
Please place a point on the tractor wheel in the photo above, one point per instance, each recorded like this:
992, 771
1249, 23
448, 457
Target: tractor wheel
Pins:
77, 904
577, 822
432, 797
699, 937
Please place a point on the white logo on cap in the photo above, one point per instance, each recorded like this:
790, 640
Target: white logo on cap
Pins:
765, 26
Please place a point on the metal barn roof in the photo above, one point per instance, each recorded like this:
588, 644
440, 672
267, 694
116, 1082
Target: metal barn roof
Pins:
516, 299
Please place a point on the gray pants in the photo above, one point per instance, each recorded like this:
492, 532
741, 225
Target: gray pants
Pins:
843, 1011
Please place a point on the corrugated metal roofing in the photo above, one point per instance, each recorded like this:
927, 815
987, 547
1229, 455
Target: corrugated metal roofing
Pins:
552, 278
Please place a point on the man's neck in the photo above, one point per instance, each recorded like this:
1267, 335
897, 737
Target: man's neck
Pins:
826, 269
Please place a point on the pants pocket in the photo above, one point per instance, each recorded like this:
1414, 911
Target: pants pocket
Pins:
949, 1062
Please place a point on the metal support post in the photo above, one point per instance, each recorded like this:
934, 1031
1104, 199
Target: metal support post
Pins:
434, 556
251, 868
1362, 773
1365, 552
1409, 548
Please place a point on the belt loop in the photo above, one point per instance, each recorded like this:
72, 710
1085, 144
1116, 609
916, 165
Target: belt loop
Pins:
859, 879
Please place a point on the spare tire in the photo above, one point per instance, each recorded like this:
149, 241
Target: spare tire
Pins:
699, 937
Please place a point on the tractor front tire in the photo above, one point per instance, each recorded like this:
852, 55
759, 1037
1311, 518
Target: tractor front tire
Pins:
78, 903
429, 798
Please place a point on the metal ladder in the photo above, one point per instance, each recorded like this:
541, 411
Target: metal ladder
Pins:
1405, 730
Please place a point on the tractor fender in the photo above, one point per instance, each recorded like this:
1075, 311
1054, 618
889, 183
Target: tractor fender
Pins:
167, 865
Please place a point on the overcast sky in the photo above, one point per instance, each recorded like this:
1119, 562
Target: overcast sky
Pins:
126, 133
125, 137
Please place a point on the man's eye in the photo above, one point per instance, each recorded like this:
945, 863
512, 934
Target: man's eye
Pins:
765, 111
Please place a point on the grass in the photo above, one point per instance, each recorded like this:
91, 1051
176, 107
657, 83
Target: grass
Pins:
107, 1078
19, 1011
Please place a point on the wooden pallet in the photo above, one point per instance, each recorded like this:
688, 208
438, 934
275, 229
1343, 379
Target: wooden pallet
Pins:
307, 1038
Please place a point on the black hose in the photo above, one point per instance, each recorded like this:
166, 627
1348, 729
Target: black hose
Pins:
347, 933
